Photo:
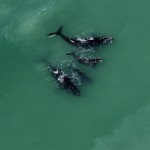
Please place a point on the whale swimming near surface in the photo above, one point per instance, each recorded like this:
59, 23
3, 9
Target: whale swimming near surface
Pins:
88, 42
81, 75
86, 61
64, 80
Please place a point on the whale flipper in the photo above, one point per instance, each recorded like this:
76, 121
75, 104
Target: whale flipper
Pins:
58, 32
72, 54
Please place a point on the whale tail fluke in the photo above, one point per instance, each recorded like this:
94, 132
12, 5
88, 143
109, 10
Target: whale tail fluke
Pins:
58, 32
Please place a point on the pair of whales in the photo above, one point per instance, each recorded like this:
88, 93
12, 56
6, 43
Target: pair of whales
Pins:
84, 43
63, 79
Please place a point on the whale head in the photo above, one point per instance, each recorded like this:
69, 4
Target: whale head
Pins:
107, 40
99, 60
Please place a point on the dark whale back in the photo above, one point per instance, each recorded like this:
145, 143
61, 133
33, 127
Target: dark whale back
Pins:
64, 80
87, 61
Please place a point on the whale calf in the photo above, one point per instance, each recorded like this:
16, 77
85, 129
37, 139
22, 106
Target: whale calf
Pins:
88, 42
86, 61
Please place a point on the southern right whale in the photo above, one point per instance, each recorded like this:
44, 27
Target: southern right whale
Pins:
84, 60
64, 80
88, 42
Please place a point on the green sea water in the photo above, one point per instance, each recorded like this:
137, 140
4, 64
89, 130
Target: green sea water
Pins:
111, 113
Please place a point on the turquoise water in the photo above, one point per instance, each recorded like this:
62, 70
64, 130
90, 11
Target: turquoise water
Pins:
111, 113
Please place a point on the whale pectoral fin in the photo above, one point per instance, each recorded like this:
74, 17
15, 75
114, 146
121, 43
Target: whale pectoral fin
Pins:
72, 53
94, 65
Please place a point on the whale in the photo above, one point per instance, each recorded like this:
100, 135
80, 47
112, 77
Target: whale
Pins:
63, 80
85, 61
87, 42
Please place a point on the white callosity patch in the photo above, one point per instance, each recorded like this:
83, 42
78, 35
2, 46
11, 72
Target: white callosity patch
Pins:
55, 72
84, 40
61, 78
81, 40
72, 41
91, 38
133, 134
